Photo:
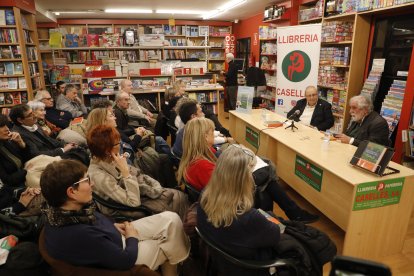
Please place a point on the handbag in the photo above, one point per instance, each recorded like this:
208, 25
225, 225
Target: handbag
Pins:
22, 227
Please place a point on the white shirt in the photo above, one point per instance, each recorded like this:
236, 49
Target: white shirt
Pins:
307, 114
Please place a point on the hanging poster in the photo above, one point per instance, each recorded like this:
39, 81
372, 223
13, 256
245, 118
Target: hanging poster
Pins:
298, 49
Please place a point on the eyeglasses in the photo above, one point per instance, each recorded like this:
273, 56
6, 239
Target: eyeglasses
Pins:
76, 184
31, 114
246, 151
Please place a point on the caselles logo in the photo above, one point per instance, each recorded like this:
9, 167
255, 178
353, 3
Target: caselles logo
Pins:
296, 66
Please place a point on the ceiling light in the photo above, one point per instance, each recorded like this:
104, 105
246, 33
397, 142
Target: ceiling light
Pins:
180, 11
229, 5
232, 4
127, 11
214, 13
60, 12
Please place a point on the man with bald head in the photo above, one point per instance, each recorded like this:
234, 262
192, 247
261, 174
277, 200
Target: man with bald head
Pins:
135, 110
313, 111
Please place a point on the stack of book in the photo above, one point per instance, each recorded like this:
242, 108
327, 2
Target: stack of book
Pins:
332, 76
335, 56
336, 31
371, 84
392, 104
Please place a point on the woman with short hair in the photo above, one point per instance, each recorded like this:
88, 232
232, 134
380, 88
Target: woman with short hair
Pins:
39, 112
198, 162
77, 234
125, 184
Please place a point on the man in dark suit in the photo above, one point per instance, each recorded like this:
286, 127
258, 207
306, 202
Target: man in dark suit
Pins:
366, 124
231, 82
313, 111
34, 137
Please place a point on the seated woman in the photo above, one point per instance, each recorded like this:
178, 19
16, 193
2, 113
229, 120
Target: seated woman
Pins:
226, 212
163, 170
39, 112
77, 234
198, 162
13, 155
125, 184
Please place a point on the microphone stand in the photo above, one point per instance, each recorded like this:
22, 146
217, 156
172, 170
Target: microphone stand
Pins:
292, 126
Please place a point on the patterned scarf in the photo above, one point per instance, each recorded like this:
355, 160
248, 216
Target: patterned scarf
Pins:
58, 217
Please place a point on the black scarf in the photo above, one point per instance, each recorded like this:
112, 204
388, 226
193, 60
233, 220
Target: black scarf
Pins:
58, 217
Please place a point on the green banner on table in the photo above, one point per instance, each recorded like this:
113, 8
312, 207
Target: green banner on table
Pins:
378, 193
252, 137
309, 172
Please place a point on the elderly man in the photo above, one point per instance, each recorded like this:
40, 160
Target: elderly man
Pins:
122, 100
59, 118
69, 101
313, 111
135, 110
34, 137
366, 124
231, 82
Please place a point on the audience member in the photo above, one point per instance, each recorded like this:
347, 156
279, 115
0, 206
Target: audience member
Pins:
69, 101
77, 234
35, 138
135, 110
366, 124
313, 111
125, 184
59, 118
39, 114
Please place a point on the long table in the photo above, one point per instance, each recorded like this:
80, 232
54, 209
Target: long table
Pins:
301, 155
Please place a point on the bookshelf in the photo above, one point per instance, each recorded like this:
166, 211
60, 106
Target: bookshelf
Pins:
267, 62
310, 11
21, 73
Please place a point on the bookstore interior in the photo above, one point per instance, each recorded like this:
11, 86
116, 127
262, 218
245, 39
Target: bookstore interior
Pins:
363, 48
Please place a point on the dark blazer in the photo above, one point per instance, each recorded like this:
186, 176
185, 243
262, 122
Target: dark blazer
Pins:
322, 117
373, 128
59, 118
231, 75
39, 142
10, 174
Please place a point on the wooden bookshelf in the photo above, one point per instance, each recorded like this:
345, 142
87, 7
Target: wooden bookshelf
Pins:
22, 73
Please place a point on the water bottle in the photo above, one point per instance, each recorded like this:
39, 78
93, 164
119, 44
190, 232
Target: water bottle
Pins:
264, 112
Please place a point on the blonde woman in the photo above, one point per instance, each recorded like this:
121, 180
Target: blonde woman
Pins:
226, 212
198, 163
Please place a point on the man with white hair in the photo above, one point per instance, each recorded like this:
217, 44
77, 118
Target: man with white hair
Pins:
135, 110
231, 82
366, 124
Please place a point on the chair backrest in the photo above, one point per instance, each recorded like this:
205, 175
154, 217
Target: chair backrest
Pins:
246, 264
173, 132
193, 193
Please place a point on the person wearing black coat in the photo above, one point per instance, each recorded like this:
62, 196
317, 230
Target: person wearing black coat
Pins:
231, 82
366, 124
313, 111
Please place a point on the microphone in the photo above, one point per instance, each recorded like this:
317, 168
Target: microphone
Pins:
295, 114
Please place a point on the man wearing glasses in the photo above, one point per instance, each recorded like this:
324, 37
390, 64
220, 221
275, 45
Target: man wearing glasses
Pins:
34, 137
313, 111
59, 118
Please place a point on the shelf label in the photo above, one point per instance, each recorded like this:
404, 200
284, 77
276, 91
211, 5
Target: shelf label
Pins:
308, 172
378, 193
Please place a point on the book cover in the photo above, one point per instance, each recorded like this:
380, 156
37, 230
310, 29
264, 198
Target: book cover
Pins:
24, 97
371, 156
6, 53
12, 83
8, 98
1, 98
2, 20
273, 219
22, 83
9, 68
92, 40
72, 40
18, 68
10, 17
17, 99
55, 40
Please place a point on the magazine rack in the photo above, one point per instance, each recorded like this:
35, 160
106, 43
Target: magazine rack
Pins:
373, 158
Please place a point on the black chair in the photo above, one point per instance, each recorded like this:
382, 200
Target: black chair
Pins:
173, 132
193, 193
249, 265
111, 204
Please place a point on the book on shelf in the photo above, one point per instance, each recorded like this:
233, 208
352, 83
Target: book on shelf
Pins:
24, 97
411, 142
1, 98
4, 84
92, 40
9, 68
8, 36
2, 20
71, 40
8, 98
10, 17
13, 83
24, 22
17, 98
22, 83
